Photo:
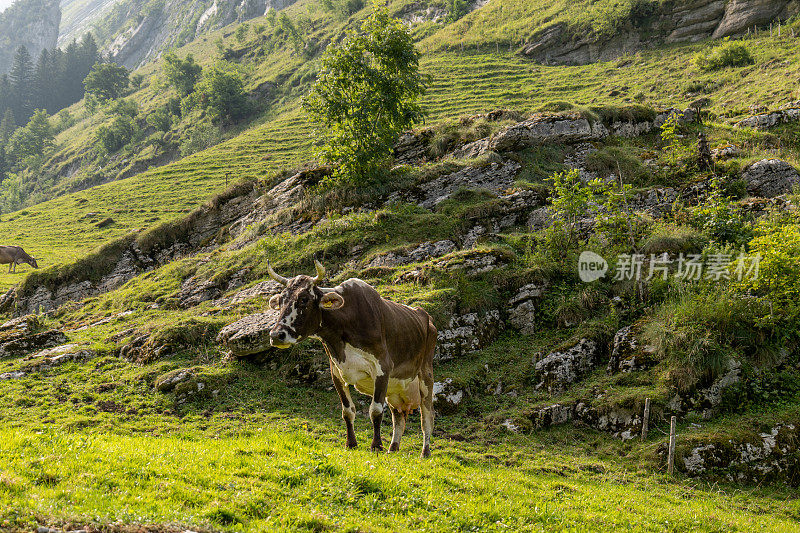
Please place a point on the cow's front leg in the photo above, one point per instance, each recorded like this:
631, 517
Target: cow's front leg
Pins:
376, 410
348, 407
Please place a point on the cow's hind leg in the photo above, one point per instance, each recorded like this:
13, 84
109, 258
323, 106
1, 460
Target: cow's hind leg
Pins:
376, 411
426, 392
426, 412
398, 428
348, 407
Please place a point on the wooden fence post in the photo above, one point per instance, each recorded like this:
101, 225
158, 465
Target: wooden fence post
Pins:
645, 418
671, 453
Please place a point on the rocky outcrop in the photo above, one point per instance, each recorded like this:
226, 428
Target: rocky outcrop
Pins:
707, 402
29, 23
569, 128
669, 22
24, 335
558, 370
627, 354
770, 177
143, 34
767, 457
447, 396
496, 177
423, 252
522, 312
130, 256
468, 333
765, 121
57, 356
621, 422
249, 335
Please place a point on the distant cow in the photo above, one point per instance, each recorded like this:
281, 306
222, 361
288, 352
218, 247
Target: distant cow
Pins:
15, 255
383, 348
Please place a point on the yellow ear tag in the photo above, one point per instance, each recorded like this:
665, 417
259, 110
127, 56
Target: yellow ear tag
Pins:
327, 304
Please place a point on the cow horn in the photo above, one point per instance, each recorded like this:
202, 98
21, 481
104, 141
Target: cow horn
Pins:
320, 273
274, 275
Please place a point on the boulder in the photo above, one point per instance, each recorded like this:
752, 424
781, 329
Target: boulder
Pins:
57, 356
20, 337
447, 396
496, 177
621, 422
765, 121
557, 370
423, 252
522, 308
249, 335
551, 415
770, 456
627, 355
468, 333
167, 382
770, 177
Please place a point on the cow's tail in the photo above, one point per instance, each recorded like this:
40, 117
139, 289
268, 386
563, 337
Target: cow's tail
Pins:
426, 377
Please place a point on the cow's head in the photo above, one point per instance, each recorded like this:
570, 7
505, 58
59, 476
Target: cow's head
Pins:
300, 304
33, 263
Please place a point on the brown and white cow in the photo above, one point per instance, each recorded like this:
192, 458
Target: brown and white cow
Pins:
15, 255
383, 348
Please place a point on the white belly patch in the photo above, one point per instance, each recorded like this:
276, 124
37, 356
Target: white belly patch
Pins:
360, 368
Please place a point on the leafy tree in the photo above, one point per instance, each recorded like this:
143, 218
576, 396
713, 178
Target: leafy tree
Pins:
182, 74
35, 139
221, 94
241, 32
114, 136
366, 94
160, 119
456, 9
107, 81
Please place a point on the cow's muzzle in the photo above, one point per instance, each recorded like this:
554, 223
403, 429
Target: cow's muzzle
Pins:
279, 338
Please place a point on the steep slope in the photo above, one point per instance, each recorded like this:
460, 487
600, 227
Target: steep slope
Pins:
29, 23
577, 33
135, 31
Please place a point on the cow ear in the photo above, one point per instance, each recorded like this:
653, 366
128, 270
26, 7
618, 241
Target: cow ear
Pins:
331, 300
275, 302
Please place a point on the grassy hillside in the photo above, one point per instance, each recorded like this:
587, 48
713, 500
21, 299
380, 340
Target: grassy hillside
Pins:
96, 441
462, 84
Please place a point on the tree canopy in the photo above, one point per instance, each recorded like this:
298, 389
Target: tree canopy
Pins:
366, 94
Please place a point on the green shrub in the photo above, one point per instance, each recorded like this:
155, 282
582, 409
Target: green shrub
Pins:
698, 333
729, 54
778, 282
674, 240
614, 160
116, 135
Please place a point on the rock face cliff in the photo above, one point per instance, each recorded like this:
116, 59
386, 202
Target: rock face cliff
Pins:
29, 23
136, 31
669, 22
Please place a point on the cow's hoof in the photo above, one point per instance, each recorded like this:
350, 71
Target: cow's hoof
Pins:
426, 452
377, 447
394, 447
351, 444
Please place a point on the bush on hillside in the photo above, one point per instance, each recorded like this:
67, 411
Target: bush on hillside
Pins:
699, 332
182, 74
778, 282
110, 138
106, 81
367, 93
729, 54
221, 94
